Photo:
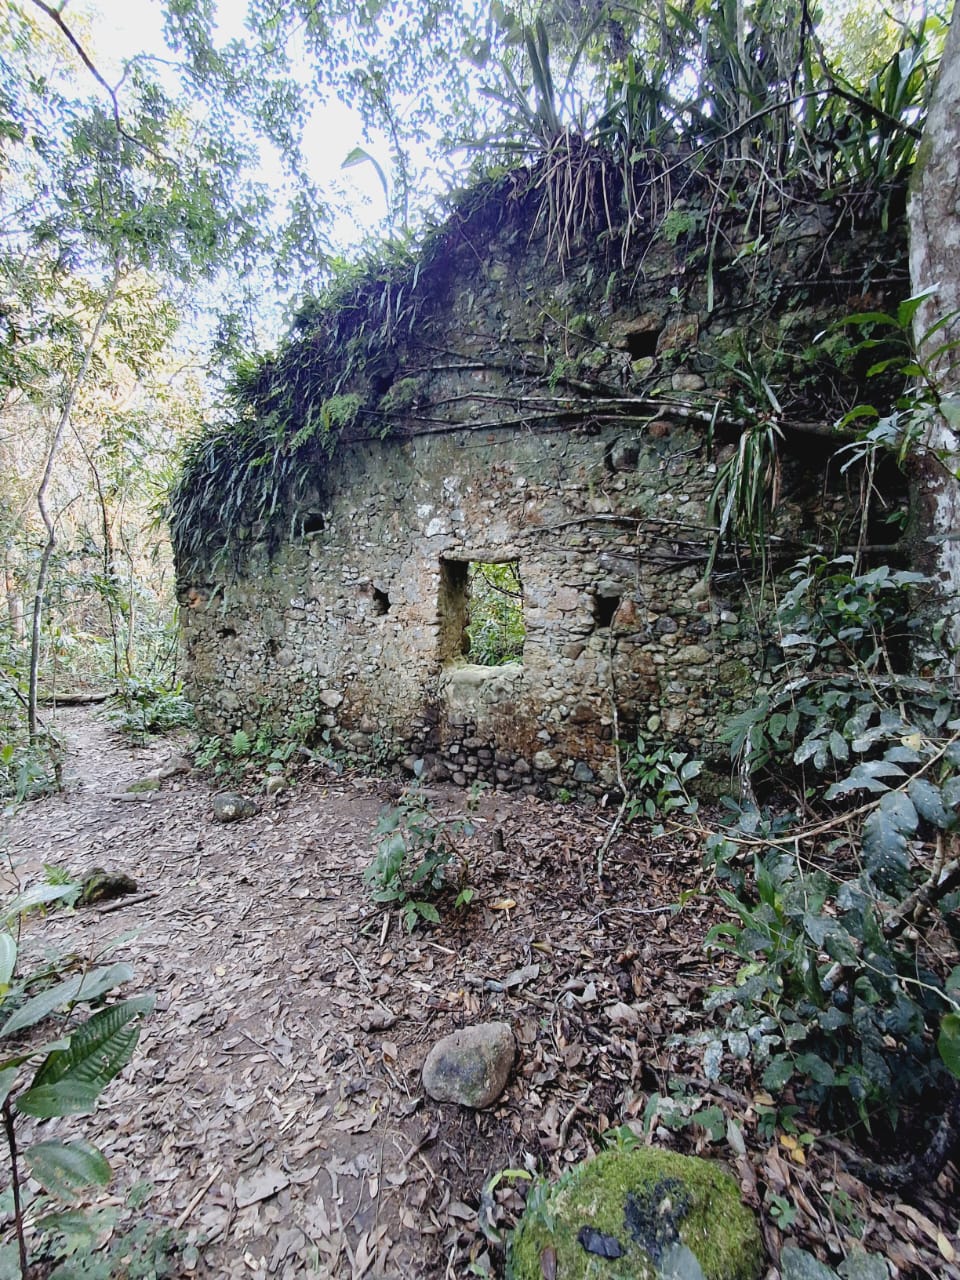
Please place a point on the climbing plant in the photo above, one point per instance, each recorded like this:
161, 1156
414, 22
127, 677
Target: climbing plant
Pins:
843, 906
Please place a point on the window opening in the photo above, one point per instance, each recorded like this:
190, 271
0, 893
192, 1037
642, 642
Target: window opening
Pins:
495, 630
481, 611
381, 602
313, 522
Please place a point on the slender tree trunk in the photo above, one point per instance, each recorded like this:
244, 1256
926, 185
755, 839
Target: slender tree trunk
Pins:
934, 218
10, 1131
14, 605
108, 558
48, 523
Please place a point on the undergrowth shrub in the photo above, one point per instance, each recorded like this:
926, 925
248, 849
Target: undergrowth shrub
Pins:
142, 707
849, 987
415, 852
61, 1044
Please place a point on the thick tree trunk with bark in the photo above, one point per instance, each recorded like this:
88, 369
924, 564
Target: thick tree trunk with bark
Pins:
934, 218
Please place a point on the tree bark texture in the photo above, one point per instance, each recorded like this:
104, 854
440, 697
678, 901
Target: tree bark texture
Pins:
934, 223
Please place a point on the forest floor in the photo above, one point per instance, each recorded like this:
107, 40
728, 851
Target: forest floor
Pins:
273, 1113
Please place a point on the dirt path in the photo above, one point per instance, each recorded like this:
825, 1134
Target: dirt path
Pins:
274, 1102
274, 1105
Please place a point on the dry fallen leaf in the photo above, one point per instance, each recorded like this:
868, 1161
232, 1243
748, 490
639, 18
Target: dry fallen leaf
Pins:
266, 1182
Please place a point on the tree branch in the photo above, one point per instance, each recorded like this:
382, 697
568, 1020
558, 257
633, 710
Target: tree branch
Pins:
56, 17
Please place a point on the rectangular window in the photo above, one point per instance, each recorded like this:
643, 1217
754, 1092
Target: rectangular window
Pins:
481, 611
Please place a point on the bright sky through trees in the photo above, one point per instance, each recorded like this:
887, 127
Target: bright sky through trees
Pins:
121, 29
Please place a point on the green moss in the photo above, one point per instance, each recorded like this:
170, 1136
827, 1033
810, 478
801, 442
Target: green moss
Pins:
645, 1193
403, 394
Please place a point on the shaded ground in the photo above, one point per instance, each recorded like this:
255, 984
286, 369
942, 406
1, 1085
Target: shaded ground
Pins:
274, 1103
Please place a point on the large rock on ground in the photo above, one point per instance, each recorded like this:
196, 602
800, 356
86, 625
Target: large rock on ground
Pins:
636, 1213
230, 807
471, 1066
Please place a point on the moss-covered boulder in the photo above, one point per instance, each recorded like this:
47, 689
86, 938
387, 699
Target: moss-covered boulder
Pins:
625, 1214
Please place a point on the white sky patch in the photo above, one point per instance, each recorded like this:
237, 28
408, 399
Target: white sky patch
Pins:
123, 28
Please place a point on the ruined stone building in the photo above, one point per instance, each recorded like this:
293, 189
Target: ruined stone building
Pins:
560, 400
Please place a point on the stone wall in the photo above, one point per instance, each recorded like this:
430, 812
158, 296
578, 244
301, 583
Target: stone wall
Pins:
571, 418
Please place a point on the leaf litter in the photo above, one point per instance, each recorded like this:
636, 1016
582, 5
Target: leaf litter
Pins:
274, 1108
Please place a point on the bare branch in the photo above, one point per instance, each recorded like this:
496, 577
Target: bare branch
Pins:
56, 17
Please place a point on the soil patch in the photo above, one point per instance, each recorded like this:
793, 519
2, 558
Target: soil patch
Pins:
274, 1104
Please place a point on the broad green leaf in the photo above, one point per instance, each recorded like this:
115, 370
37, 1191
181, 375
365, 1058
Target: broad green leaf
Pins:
809, 747
7, 1078
816, 927
64, 1168
865, 777
8, 958
928, 802
70, 1080
816, 1068
885, 832
100, 1047
82, 986
910, 306
832, 1019
948, 1042
66, 1098
778, 1072
950, 408
38, 895
902, 755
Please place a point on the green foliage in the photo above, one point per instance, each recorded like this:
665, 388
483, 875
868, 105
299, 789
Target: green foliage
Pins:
60, 1046
658, 780
839, 991
269, 750
844, 636
887, 339
747, 487
142, 707
28, 769
495, 631
414, 853
865, 137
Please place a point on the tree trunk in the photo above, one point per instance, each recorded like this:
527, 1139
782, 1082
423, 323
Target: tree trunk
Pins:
48, 524
14, 606
934, 221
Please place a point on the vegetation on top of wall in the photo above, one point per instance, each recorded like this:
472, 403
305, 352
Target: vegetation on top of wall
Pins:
286, 412
780, 128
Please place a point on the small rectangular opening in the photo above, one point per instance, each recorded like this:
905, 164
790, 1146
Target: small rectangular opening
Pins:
604, 609
481, 611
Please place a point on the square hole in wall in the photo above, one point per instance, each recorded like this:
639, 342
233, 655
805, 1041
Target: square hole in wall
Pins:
604, 608
481, 611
